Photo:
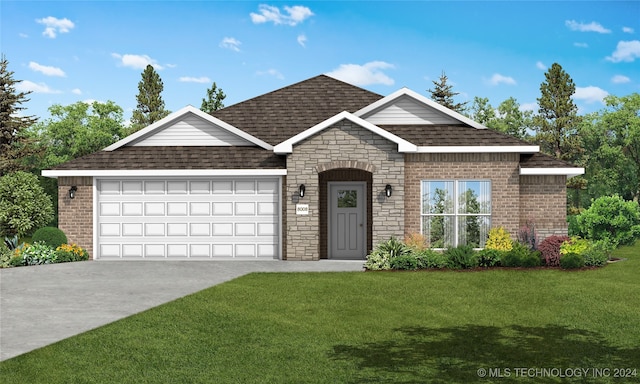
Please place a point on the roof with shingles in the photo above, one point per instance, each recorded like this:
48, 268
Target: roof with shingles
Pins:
452, 135
542, 160
276, 116
127, 158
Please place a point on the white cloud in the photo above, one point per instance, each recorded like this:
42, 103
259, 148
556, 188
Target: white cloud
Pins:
293, 15
627, 30
541, 66
271, 72
23, 35
47, 70
625, 51
367, 74
302, 39
497, 79
581, 45
76, 91
29, 86
590, 94
620, 79
187, 79
136, 61
528, 107
230, 43
53, 26
581, 27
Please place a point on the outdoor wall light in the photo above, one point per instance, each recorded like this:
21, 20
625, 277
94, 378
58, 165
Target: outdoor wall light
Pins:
301, 190
72, 192
388, 190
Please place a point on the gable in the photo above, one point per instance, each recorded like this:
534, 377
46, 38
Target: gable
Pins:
406, 110
191, 130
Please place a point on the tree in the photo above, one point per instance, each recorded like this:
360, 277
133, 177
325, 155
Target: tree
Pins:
443, 94
76, 130
557, 120
150, 104
511, 120
213, 102
481, 111
14, 146
24, 206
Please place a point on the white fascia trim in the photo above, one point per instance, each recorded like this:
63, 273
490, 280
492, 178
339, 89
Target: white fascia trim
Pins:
183, 112
286, 146
480, 149
164, 172
418, 97
569, 172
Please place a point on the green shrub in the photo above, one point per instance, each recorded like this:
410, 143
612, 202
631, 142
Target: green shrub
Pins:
571, 261
574, 227
381, 256
51, 236
489, 257
377, 261
405, 262
24, 206
461, 257
5, 255
596, 255
428, 258
516, 256
611, 219
16, 261
531, 260
575, 245
38, 253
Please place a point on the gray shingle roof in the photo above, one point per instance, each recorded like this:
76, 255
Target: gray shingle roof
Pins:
452, 135
541, 160
126, 158
283, 113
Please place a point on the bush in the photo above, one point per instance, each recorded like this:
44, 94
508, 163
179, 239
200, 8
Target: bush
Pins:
381, 256
531, 260
16, 261
5, 255
528, 236
51, 236
611, 219
70, 252
574, 245
574, 227
416, 242
597, 254
406, 262
461, 257
517, 256
24, 206
571, 261
499, 239
431, 259
489, 257
37, 253
550, 249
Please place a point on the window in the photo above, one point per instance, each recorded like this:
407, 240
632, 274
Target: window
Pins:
456, 212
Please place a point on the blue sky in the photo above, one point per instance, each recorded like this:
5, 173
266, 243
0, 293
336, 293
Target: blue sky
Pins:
96, 50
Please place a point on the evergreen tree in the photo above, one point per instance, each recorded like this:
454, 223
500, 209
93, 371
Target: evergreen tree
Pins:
443, 94
150, 104
14, 145
213, 102
557, 120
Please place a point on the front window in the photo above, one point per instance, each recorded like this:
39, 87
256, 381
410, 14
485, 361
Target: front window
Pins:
456, 212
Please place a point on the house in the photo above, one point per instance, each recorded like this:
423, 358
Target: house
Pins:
319, 169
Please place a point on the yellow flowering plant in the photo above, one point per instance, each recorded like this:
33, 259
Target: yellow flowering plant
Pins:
499, 239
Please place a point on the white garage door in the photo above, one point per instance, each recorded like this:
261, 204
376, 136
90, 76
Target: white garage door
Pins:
195, 218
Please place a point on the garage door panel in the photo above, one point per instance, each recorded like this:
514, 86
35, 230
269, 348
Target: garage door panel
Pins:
181, 218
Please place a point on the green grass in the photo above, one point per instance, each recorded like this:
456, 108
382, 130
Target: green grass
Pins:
395, 327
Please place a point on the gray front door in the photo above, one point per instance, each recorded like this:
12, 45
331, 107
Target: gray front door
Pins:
347, 220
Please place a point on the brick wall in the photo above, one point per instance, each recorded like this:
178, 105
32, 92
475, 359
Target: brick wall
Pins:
75, 216
543, 200
501, 168
344, 145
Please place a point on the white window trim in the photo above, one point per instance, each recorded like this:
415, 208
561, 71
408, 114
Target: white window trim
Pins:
455, 215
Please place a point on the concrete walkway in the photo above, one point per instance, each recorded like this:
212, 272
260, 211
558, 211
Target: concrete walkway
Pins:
40, 305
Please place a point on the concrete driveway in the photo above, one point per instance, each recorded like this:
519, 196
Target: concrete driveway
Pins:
40, 305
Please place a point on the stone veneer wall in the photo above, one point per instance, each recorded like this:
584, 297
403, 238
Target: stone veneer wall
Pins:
75, 216
501, 168
344, 145
543, 200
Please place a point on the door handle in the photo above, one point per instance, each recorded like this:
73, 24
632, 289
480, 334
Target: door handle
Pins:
361, 224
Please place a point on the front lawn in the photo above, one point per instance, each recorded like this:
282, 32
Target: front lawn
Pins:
396, 327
